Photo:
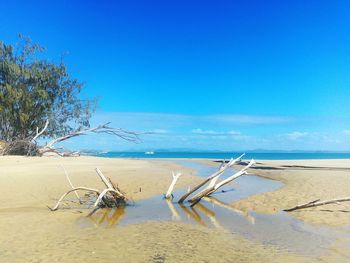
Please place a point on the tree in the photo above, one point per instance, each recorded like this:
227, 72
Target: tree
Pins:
34, 90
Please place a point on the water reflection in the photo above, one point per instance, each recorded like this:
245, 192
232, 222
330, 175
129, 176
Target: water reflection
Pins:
280, 230
218, 202
200, 214
107, 216
192, 213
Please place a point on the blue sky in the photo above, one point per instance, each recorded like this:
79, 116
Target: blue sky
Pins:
210, 75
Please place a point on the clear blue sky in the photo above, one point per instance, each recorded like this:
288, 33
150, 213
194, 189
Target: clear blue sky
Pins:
224, 75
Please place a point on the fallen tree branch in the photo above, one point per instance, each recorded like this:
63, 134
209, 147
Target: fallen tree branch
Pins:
317, 203
108, 183
70, 183
211, 190
216, 178
109, 197
38, 134
172, 185
211, 177
102, 195
80, 188
104, 128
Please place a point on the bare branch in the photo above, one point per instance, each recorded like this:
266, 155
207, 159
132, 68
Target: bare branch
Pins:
38, 134
172, 185
211, 190
70, 183
317, 203
104, 128
218, 173
109, 197
81, 188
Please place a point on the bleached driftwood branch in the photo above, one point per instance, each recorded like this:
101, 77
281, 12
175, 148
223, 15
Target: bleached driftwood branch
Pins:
102, 195
110, 196
172, 185
38, 134
108, 183
80, 188
211, 190
211, 177
70, 183
317, 203
104, 128
216, 178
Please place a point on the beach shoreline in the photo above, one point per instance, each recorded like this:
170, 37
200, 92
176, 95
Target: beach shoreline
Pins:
28, 184
303, 181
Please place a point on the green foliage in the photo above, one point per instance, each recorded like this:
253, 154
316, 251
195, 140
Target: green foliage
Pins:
33, 90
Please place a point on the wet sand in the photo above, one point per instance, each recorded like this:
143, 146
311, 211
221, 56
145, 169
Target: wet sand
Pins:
32, 233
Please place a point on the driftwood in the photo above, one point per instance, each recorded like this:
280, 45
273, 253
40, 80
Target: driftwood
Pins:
317, 203
172, 185
110, 197
214, 188
70, 183
211, 177
29, 146
38, 134
81, 188
104, 128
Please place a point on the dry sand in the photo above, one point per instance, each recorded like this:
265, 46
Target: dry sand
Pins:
304, 181
37, 181
29, 232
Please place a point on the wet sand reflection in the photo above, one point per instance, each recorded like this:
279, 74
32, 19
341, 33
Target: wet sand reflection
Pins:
108, 216
199, 214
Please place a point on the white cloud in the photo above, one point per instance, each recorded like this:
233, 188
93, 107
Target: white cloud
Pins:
215, 132
147, 120
234, 133
211, 132
248, 119
296, 135
159, 131
200, 131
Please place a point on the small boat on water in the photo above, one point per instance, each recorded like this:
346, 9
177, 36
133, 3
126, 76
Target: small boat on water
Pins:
149, 153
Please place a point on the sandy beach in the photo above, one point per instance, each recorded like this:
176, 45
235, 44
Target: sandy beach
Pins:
304, 181
32, 233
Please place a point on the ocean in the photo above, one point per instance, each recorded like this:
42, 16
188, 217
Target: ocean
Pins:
228, 155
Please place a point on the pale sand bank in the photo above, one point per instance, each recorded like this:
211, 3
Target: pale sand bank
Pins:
304, 180
34, 182
31, 233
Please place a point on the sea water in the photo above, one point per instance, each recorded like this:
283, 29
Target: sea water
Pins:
227, 155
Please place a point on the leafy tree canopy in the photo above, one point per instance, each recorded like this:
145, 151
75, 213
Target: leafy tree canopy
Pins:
33, 90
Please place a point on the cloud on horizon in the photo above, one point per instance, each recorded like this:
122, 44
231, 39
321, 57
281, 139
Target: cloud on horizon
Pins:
296, 135
211, 132
215, 132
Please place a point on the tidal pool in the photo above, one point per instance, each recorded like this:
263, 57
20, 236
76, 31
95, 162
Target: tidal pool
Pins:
280, 230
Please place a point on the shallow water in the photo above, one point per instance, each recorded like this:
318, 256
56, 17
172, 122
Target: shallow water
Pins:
279, 230
228, 155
